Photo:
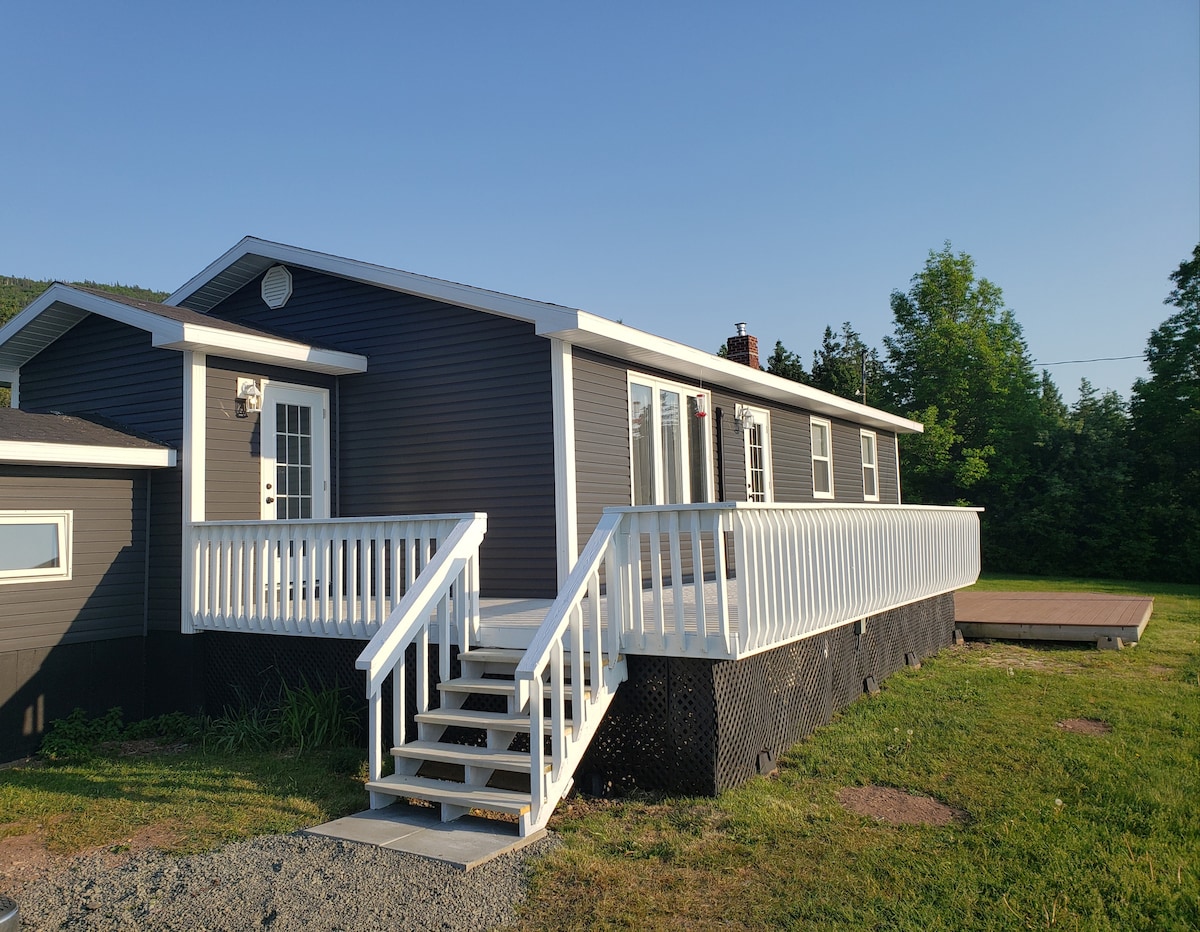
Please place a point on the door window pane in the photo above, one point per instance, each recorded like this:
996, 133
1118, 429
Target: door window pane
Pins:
672, 447
641, 404
697, 459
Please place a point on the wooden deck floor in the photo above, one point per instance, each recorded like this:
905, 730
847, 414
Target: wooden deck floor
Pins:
1051, 616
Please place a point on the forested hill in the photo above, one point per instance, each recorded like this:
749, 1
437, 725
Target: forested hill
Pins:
16, 293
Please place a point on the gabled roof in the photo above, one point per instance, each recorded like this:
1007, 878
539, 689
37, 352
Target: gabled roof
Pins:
63, 440
252, 256
60, 307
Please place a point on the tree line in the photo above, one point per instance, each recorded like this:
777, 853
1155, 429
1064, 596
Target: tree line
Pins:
1101, 488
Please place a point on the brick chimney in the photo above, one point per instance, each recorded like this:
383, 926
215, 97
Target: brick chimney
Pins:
743, 348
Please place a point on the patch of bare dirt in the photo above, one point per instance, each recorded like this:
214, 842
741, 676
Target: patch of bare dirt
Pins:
1085, 726
888, 804
25, 858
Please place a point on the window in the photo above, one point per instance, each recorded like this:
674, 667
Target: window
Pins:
35, 545
669, 447
822, 458
756, 437
870, 465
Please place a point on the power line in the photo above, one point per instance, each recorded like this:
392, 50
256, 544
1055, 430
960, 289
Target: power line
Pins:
1068, 362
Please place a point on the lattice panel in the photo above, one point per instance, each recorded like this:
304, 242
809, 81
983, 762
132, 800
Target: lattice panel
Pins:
692, 726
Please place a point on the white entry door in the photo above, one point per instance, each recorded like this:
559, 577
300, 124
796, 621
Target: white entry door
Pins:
756, 434
295, 451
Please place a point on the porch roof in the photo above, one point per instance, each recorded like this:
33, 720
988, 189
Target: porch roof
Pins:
252, 256
62, 440
60, 307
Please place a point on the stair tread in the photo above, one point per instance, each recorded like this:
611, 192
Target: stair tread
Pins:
469, 718
511, 802
509, 655
472, 684
514, 761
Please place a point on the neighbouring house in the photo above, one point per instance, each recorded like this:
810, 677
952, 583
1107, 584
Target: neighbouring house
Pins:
516, 518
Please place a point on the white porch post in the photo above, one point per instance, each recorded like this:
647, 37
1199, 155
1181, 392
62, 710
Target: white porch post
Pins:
566, 514
195, 367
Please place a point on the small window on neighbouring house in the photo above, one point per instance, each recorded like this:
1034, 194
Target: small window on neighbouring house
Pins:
35, 546
669, 446
822, 458
870, 466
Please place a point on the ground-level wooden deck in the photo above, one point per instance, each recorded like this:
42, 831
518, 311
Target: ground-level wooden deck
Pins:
1052, 616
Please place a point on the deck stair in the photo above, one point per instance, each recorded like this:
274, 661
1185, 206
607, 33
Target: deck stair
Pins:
506, 733
493, 774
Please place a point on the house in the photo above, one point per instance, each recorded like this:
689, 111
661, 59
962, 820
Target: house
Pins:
690, 561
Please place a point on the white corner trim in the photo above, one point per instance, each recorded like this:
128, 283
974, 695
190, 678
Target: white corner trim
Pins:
34, 453
566, 500
195, 391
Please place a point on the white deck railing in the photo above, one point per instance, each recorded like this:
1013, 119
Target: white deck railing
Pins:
332, 578
447, 591
732, 579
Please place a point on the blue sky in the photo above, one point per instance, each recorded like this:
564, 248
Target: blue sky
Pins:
677, 166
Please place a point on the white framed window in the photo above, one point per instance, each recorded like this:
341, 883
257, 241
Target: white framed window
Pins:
670, 452
756, 441
822, 457
35, 546
870, 465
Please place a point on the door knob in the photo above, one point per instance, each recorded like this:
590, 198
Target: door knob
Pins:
270, 499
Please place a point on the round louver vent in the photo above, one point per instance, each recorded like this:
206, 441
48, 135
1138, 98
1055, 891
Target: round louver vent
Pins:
277, 286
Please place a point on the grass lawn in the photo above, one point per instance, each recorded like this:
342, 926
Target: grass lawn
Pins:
182, 801
1063, 830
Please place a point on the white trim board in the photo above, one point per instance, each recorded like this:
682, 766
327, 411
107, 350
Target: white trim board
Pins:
252, 256
33, 453
60, 307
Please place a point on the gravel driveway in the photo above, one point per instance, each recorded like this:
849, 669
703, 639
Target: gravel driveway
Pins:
279, 882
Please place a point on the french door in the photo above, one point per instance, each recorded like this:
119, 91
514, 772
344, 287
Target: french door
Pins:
295, 452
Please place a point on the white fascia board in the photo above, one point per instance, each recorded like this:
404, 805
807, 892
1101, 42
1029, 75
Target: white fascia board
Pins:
260, 349
172, 334
31, 453
547, 316
650, 351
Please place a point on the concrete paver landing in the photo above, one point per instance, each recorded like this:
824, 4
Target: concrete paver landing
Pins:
465, 843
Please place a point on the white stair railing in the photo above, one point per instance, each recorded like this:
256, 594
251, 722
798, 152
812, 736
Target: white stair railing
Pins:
446, 591
589, 628
324, 578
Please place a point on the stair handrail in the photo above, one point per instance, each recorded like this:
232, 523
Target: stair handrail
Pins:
565, 619
455, 563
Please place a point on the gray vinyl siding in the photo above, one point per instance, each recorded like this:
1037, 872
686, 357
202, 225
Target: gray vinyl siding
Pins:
232, 479
602, 470
106, 368
453, 414
602, 444
889, 486
105, 596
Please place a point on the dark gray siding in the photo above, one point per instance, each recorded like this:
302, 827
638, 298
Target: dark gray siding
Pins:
232, 480
105, 597
453, 414
103, 367
75, 642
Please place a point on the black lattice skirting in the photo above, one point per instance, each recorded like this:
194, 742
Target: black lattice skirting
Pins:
699, 726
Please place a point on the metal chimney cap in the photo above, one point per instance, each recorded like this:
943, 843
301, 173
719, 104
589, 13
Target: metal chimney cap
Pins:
741, 328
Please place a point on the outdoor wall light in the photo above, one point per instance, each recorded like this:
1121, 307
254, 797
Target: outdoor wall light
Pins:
743, 418
249, 397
